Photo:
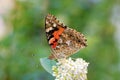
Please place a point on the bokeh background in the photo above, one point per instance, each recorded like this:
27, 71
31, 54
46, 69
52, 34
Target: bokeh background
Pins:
23, 41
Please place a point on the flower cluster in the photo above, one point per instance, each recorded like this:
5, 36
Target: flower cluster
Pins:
68, 69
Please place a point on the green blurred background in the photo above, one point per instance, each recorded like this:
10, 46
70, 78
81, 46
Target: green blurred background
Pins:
23, 41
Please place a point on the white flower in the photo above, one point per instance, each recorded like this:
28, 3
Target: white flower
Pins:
68, 69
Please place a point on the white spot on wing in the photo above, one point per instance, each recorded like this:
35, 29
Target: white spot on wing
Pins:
54, 25
60, 40
48, 29
68, 42
47, 22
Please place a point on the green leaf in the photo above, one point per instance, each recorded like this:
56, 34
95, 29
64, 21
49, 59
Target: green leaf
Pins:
47, 64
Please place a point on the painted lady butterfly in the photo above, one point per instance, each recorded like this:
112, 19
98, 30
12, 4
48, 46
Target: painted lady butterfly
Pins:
63, 40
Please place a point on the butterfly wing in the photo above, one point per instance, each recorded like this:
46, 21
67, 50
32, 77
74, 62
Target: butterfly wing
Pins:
53, 30
64, 41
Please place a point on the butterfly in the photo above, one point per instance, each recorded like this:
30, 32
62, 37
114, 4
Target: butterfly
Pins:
64, 41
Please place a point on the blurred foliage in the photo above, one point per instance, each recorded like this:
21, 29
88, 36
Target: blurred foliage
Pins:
21, 50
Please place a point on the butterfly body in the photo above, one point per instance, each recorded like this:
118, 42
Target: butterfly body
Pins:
64, 41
